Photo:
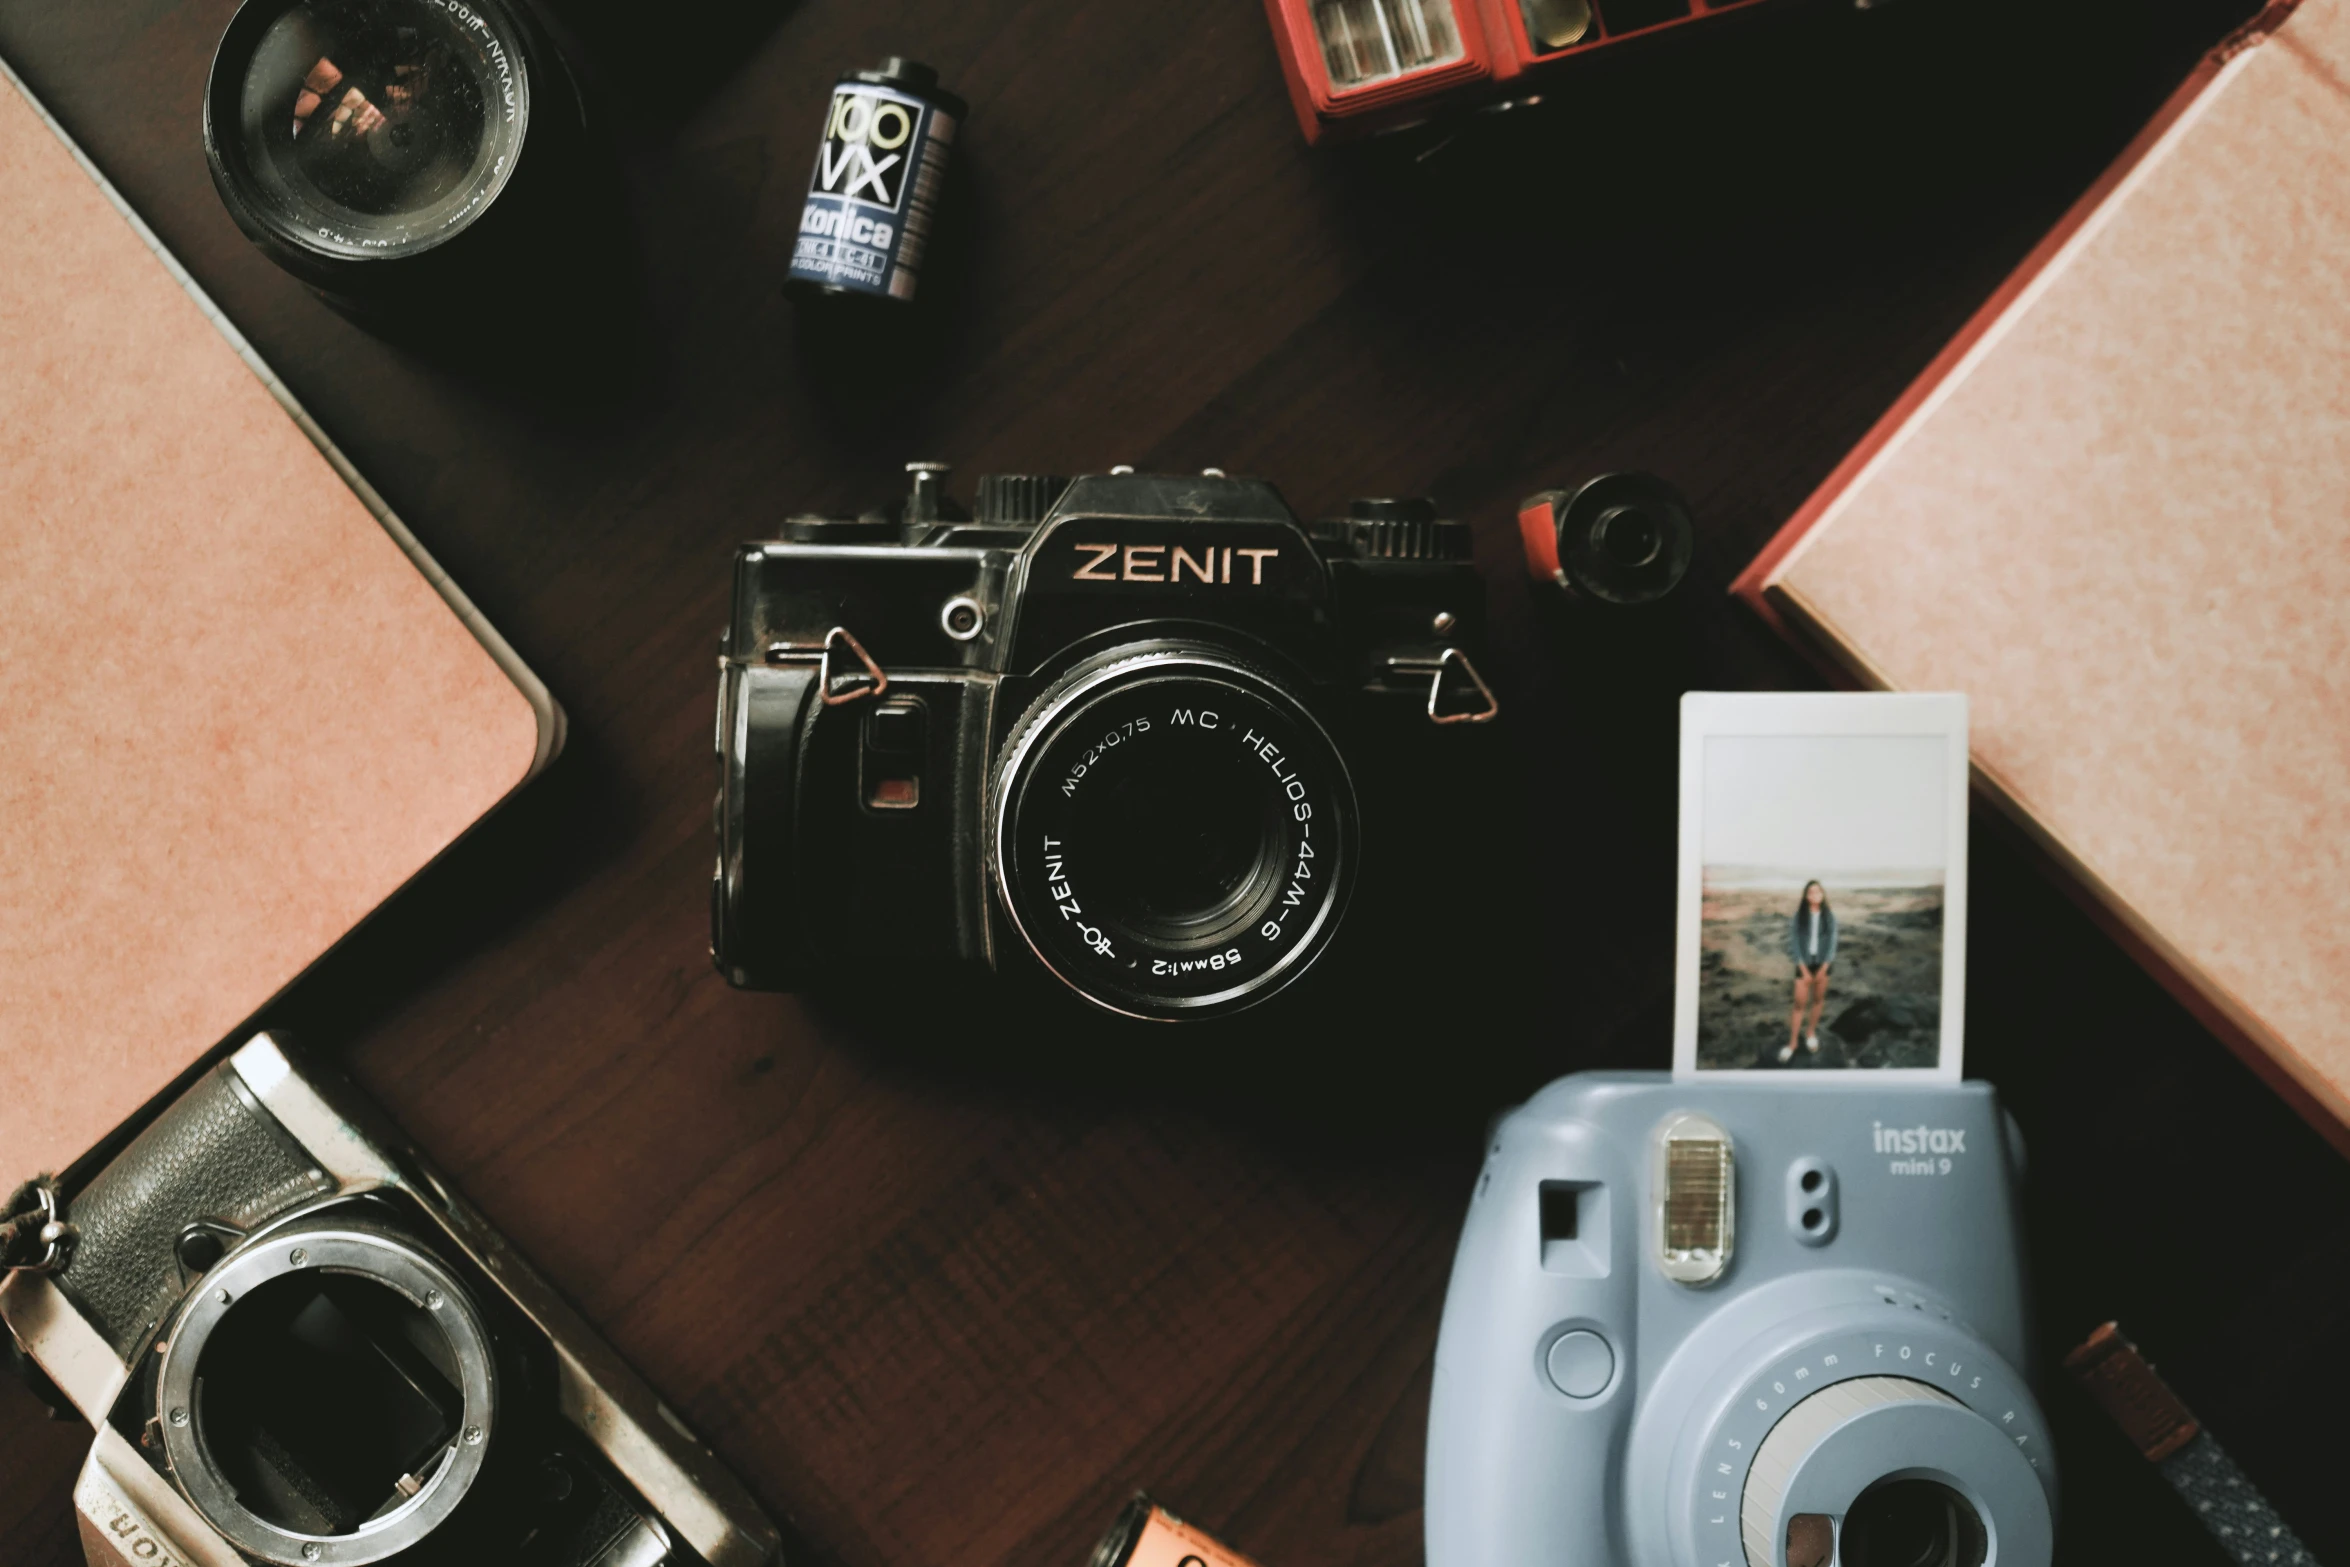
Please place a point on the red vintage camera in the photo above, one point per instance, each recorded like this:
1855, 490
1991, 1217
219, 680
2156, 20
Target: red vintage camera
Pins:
1356, 67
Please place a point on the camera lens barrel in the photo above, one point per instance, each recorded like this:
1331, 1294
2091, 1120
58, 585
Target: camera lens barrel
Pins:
1910, 1470
1174, 833
372, 147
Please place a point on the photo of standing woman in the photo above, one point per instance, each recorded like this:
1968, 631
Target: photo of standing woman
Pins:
1824, 840
1811, 941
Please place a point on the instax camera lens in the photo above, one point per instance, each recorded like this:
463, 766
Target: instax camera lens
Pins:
1912, 1523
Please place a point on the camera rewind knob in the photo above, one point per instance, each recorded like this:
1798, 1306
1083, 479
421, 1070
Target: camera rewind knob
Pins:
1016, 499
1383, 528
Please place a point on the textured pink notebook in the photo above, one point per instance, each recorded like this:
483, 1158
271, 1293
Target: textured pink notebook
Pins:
2116, 513
239, 706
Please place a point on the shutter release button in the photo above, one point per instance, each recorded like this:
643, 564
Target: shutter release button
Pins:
1581, 1364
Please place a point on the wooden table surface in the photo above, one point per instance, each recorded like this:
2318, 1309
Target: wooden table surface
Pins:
943, 1302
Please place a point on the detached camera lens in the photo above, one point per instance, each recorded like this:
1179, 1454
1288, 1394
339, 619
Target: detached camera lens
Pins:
1175, 835
350, 139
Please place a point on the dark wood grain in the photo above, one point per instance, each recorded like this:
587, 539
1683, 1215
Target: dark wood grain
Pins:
941, 1302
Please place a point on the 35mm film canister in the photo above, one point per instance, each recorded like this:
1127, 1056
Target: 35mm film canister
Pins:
1622, 539
873, 194
1147, 1535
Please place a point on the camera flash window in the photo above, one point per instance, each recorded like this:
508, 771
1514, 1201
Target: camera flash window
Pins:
1696, 1199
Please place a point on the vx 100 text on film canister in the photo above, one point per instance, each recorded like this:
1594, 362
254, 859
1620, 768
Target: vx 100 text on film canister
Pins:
1147, 1535
874, 191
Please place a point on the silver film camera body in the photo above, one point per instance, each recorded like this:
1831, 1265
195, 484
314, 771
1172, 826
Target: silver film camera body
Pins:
299, 1348
1741, 1324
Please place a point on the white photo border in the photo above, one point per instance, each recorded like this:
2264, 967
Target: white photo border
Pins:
1826, 714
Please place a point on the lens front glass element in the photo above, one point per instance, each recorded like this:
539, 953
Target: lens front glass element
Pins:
1175, 833
368, 127
326, 1401
1912, 1523
1183, 839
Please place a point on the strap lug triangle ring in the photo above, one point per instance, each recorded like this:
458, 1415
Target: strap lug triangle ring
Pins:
1452, 656
840, 635
798, 653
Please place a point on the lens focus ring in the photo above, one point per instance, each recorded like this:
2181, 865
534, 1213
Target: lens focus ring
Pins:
1174, 834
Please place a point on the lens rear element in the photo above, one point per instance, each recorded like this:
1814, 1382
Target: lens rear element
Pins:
1174, 833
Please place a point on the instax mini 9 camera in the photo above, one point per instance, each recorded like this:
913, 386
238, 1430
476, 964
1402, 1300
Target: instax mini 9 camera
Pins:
298, 1347
1741, 1324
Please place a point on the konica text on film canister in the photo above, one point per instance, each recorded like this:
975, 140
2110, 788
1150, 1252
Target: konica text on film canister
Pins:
1147, 1535
873, 194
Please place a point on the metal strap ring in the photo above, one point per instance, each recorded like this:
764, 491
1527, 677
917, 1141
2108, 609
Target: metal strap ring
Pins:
840, 634
1453, 655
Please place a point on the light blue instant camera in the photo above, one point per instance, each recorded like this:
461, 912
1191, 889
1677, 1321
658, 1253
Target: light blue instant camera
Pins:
1741, 1324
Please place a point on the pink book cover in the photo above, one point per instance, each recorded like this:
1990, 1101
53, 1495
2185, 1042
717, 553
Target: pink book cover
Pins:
239, 705
2116, 512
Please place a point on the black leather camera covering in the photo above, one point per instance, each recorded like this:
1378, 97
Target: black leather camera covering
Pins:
216, 1155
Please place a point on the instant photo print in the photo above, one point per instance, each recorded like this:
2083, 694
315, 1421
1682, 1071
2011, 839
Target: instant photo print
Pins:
1822, 911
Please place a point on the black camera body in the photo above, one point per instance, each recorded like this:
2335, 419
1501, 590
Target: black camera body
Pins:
297, 1346
1150, 731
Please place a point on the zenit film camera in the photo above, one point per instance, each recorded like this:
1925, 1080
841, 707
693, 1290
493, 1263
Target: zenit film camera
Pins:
1149, 730
1741, 1325
299, 1348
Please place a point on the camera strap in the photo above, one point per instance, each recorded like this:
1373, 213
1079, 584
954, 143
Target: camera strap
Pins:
34, 1236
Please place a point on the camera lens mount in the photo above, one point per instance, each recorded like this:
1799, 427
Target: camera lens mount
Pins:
328, 1395
1174, 834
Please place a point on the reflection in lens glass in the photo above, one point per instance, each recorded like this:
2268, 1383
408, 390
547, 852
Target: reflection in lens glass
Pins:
1912, 1523
377, 122
1181, 838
